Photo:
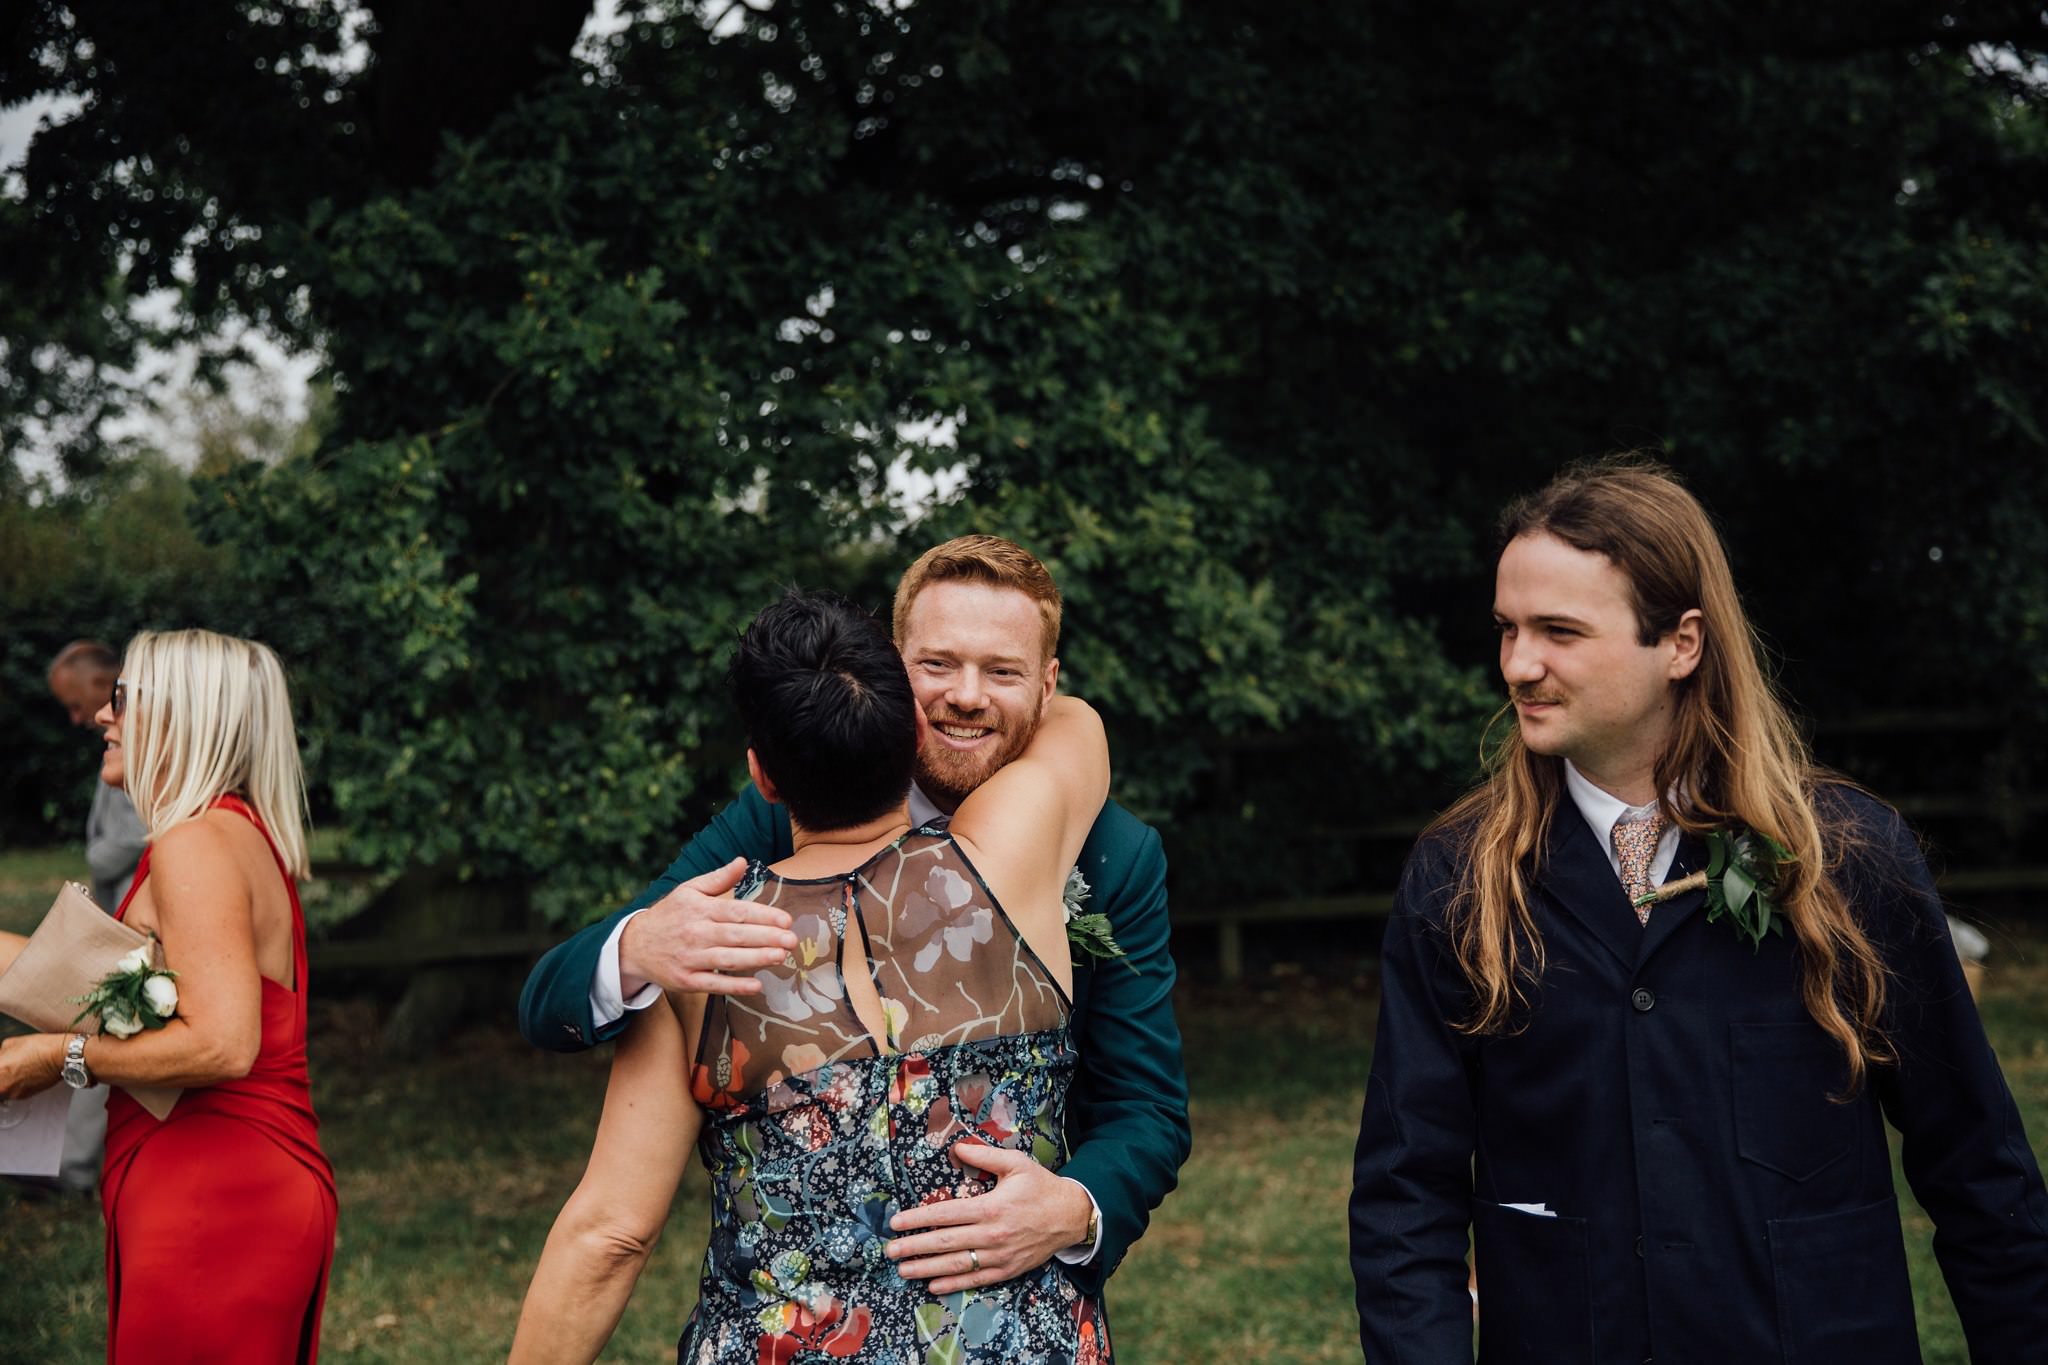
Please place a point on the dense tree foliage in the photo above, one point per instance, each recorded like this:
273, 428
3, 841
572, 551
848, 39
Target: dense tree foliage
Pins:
194, 141
1245, 317
102, 567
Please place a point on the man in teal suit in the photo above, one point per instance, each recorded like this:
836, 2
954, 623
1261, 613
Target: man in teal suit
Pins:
983, 679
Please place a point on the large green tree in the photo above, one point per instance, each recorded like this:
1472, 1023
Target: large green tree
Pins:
102, 566
187, 146
1246, 317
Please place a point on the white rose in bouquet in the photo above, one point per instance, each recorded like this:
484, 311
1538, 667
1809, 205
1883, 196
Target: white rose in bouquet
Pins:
120, 1025
137, 960
161, 995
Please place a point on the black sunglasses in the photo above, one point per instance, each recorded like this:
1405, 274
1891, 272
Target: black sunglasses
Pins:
120, 702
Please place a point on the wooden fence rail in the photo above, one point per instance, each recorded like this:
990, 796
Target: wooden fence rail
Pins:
1369, 908
2002, 747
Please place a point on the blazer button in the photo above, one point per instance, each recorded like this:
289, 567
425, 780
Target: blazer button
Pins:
1643, 1000
1639, 1247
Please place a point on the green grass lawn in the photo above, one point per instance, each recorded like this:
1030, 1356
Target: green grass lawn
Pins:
452, 1167
29, 880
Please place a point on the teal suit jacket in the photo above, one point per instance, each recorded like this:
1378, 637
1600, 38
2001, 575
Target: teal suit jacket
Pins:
1127, 1112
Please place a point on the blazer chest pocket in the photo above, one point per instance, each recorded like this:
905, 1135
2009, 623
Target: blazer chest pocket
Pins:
1784, 1118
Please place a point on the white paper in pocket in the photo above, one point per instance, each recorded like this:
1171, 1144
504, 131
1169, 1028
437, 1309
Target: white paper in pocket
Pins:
1540, 1210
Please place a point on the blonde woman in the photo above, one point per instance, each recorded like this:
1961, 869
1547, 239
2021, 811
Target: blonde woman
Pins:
220, 1218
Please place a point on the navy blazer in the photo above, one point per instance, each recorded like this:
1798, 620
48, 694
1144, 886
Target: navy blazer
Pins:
1668, 1100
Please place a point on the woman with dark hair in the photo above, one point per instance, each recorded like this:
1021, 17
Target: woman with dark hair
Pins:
923, 1014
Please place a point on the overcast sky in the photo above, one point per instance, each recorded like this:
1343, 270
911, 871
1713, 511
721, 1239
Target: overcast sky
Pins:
16, 126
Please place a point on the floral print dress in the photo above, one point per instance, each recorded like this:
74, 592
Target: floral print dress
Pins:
818, 1133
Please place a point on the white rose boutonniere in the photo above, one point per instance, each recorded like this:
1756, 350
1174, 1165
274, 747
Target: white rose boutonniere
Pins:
134, 996
1087, 932
161, 994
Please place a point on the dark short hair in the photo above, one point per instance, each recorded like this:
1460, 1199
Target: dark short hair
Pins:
828, 709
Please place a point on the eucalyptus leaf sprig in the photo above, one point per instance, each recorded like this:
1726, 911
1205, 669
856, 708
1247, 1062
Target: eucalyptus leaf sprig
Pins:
1741, 882
1088, 933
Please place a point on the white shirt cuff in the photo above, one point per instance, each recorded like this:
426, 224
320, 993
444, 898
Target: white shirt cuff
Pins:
1078, 1254
606, 990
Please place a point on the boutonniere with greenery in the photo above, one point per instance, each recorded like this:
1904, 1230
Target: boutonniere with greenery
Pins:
1087, 932
1741, 882
136, 995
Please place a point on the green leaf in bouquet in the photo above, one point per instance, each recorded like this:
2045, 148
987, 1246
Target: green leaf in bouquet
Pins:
1090, 934
1737, 886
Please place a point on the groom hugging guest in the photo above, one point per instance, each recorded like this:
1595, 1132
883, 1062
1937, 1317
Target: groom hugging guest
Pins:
1650, 994
977, 621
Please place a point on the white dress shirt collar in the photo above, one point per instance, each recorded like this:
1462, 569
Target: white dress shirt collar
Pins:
1602, 810
924, 812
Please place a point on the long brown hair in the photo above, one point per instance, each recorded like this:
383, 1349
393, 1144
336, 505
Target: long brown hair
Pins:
1734, 753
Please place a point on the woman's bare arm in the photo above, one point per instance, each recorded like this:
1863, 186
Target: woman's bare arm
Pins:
604, 1234
204, 917
33, 1062
1025, 825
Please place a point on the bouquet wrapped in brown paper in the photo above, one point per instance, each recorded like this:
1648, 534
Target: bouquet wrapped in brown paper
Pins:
75, 947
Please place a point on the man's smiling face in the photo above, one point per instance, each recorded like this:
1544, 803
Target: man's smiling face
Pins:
1585, 686
976, 655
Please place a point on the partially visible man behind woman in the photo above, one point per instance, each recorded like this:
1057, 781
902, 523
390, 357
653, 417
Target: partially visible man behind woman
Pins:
220, 1217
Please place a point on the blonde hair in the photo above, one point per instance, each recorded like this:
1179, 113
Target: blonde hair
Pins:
1734, 754
983, 559
207, 715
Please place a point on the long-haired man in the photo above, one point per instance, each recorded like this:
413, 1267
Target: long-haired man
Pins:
1666, 1140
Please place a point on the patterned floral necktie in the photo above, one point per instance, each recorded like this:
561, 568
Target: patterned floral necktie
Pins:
1635, 845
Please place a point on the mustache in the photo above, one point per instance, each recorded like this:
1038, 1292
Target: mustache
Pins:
1530, 694
987, 720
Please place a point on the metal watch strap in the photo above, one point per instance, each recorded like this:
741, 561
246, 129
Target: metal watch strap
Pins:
75, 1074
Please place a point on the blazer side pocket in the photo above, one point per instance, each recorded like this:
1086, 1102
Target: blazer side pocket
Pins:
1784, 1120
1843, 1291
1534, 1292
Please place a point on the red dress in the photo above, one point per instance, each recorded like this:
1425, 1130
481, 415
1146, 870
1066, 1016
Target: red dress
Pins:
220, 1218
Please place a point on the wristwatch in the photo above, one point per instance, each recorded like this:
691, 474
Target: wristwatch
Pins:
75, 1074
1094, 1232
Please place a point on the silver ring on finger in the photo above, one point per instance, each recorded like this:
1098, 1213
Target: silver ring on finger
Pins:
974, 1261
